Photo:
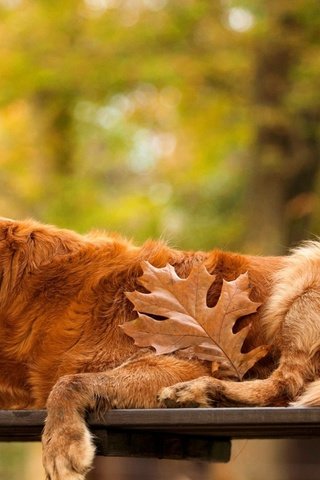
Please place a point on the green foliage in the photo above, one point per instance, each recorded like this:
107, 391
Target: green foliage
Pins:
139, 116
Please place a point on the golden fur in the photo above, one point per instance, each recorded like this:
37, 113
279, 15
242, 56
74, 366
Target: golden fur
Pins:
62, 297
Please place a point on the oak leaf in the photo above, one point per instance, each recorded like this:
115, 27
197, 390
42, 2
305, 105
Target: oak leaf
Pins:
188, 323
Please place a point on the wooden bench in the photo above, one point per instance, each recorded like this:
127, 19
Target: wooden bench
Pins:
202, 434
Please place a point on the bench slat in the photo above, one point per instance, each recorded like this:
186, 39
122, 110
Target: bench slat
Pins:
202, 434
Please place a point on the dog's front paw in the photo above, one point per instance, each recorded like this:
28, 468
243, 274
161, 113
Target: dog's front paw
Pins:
68, 451
192, 394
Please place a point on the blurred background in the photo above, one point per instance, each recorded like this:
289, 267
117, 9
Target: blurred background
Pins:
196, 121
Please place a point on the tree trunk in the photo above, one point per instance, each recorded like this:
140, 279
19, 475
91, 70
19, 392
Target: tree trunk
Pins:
285, 156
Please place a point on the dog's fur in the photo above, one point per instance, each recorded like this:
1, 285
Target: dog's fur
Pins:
62, 297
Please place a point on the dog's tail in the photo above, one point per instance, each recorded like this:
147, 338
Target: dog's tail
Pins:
310, 397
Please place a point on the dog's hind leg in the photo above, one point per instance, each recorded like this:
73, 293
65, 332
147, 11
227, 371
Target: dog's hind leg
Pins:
298, 340
280, 388
68, 448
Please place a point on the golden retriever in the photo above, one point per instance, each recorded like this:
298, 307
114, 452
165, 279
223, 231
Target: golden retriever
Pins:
62, 300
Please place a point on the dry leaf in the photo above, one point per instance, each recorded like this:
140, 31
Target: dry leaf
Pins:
190, 325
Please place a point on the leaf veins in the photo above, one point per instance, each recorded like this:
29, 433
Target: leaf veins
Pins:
190, 325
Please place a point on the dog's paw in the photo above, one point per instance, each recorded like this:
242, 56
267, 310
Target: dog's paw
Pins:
68, 452
192, 394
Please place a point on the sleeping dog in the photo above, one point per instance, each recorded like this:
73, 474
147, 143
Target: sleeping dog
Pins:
62, 299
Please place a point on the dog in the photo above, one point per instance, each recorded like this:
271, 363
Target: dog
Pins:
62, 299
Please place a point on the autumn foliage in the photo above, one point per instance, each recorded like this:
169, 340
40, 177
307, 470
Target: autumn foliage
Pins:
187, 323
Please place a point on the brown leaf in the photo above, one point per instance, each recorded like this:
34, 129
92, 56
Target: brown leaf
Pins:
190, 325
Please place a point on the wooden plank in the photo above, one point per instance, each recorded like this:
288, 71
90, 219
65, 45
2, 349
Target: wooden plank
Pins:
112, 441
220, 422
150, 444
202, 434
227, 422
